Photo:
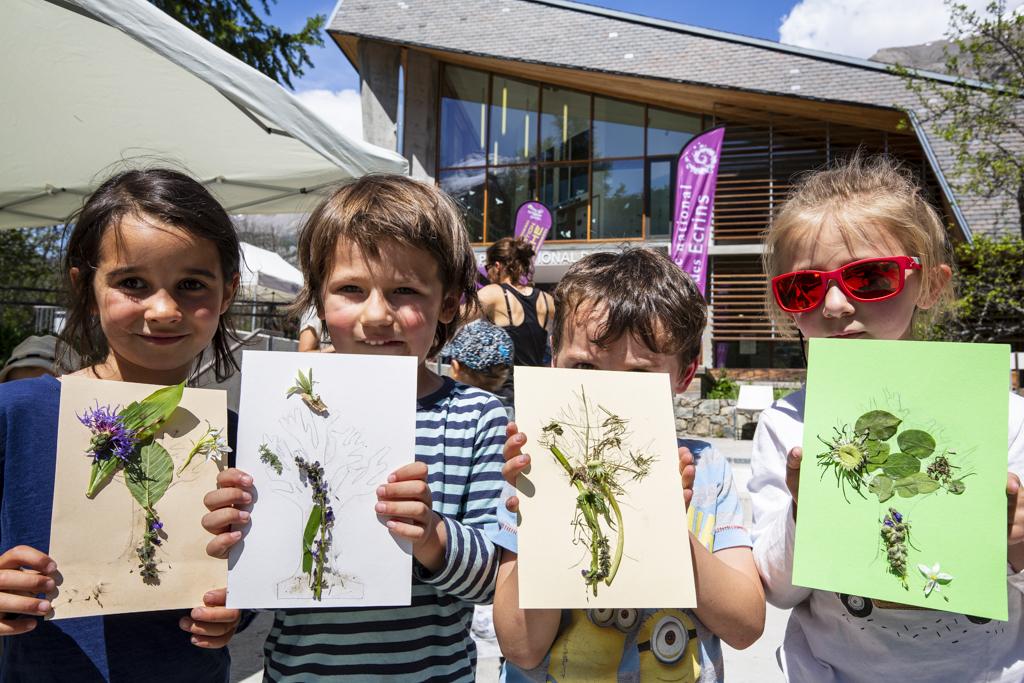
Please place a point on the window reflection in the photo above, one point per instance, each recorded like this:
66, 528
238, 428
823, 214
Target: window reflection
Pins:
513, 121
668, 131
507, 189
463, 117
618, 204
564, 125
659, 197
467, 189
563, 189
618, 129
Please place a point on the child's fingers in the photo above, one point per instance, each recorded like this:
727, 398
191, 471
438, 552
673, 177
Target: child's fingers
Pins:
793, 459
14, 603
687, 473
222, 543
412, 532
215, 598
414, 470
221, 520
417, 490
28, 582
513, 445
511, 470
512, 504
226, 497
28, 557
13, 627
233, 478
414, 510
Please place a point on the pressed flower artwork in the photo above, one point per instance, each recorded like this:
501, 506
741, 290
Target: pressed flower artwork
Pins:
314, 539
128, 493
602, 494
894, 462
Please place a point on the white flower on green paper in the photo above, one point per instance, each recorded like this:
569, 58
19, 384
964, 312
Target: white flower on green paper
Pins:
934, 578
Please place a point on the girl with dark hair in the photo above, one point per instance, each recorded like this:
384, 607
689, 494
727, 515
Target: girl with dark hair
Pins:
152, 267
523, 310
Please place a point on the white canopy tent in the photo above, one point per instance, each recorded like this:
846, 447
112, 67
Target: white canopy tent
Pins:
90, 87
265, 276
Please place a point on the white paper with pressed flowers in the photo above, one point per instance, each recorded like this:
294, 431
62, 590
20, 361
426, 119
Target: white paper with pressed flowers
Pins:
319, 432
603, 523
133, 464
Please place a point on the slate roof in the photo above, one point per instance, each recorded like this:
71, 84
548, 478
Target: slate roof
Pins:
577, 36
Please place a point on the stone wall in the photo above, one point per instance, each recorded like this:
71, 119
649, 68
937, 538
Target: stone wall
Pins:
712, 417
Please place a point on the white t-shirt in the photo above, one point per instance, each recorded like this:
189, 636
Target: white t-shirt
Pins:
310, 320
825, 640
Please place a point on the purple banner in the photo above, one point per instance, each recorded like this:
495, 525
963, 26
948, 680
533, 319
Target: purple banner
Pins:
696, 175
533, 221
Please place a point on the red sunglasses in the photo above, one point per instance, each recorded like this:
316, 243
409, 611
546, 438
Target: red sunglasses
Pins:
870, 279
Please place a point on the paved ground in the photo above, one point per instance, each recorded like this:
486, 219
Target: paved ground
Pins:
756, 663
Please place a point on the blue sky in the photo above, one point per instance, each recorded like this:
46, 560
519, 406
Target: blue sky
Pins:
758, 18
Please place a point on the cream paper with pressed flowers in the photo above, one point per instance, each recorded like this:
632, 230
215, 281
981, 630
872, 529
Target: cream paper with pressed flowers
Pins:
603, 523
96, 541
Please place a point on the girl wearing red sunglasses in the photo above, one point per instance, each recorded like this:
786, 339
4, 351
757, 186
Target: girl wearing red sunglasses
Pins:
856, 252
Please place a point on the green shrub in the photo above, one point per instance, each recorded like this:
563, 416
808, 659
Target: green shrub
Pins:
724, 388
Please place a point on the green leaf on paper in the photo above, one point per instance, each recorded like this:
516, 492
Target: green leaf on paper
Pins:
956, 486
878, 453
879, 424
309, 535
914, 484
899, 465
102, 471
881, 486
916, 442
149, 476
146, 416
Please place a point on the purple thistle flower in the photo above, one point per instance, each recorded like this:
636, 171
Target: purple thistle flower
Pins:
110, 436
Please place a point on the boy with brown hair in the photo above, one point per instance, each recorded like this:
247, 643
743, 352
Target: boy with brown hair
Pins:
636, 311
386, 261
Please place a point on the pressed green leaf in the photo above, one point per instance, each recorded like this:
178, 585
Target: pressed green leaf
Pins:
146, 416
308, 536
914, 484
149, 478
956, 487
100, 474
879, 424
881, 486
900, 465
878, 451
916, 442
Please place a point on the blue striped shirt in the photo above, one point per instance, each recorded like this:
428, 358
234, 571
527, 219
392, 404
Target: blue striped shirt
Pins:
460, 432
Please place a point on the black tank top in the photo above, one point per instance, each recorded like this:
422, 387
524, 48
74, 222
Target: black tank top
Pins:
529, 339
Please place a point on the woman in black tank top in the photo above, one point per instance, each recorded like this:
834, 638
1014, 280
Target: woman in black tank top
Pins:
525, 312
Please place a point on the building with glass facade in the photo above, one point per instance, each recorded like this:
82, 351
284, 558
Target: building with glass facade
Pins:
585, 110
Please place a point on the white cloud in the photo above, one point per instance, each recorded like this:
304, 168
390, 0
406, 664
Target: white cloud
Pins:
861, 27
342, 109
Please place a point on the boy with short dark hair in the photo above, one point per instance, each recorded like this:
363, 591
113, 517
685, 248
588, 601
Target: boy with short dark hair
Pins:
636, 311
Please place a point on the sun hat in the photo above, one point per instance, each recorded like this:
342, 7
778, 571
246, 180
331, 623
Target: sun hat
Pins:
33, 352
480, 345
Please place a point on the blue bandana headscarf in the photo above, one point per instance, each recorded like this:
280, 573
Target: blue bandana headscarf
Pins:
480, 345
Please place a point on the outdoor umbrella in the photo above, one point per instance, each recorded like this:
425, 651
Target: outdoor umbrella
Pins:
93, 86
265, 276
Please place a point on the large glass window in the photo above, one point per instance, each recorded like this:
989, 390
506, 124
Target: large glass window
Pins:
603, 166
618, 129
507, 189
660, 174
564, 125
513, 121
668, 131
463, 117
564, 190
467, 189
617, 209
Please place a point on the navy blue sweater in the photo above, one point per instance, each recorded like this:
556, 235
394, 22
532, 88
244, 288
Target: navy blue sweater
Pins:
146, 646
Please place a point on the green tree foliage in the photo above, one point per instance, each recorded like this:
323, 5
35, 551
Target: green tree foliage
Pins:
984, 123
990, 306
28, 265
235, 27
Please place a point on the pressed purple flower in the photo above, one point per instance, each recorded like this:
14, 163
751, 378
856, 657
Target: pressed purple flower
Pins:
897, 516
110, 436
156, 525
330, 515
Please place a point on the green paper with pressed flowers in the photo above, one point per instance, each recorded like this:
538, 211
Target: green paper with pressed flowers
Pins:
902, 498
